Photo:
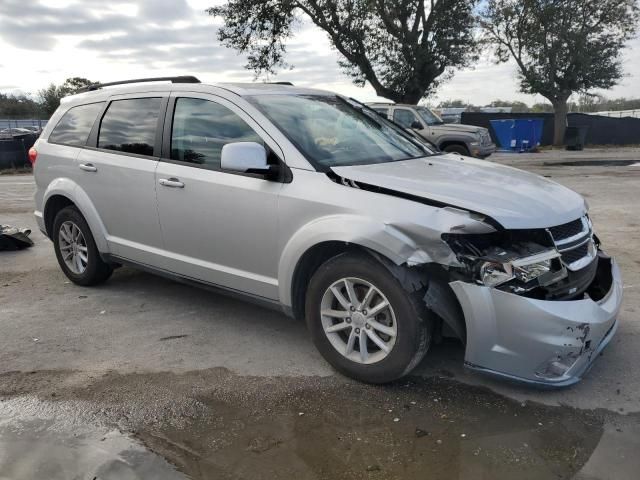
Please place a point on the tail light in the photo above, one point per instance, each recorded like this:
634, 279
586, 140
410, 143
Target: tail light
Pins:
33, 155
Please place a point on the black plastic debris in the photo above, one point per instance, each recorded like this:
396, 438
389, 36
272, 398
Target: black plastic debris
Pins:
13, 238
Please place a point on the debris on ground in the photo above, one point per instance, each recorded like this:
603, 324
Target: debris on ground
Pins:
13, 238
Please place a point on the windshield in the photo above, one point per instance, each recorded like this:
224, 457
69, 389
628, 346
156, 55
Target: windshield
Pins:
331, 131
428, 116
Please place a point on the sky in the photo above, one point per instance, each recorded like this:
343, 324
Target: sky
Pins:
44, 41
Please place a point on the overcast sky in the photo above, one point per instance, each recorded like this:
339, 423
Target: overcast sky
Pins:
48, 41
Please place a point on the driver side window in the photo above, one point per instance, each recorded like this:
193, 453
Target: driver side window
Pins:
404, 117
202, 127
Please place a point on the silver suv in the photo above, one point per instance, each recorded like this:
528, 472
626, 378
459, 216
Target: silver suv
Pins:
448, 137
314, 204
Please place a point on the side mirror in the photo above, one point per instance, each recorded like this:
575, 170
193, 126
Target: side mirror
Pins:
416, 125
245, 157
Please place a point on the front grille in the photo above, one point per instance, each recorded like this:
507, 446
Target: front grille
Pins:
560, 232
575, 254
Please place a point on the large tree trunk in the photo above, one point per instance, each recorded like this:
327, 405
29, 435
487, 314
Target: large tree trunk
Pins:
560, 110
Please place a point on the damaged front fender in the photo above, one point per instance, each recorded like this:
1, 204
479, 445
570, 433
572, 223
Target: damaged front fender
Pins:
402, 242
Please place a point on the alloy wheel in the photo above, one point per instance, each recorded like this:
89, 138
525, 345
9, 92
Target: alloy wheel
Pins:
73, 247
358, 320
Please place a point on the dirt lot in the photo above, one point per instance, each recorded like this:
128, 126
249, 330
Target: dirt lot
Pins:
146, 378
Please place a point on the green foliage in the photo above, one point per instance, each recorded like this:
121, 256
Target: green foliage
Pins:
457, 103
516, 106
561, 46
541, 108
599, 103
403, 48
18, 106
50, 96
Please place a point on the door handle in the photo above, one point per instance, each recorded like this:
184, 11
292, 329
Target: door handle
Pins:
171, 182
88, 167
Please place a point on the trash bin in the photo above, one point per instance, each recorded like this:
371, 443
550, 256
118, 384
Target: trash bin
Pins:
575, 137
518, 135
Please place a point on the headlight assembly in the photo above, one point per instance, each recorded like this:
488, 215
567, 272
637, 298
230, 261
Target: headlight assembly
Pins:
525, 270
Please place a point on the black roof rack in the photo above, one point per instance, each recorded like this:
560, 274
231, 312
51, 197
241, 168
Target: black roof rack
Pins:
180, 79
279, 83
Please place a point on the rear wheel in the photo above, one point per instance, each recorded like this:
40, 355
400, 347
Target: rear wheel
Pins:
456, 148
76, 249
363, 321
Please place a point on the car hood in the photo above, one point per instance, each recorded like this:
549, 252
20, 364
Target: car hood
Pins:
456, 127
514, 198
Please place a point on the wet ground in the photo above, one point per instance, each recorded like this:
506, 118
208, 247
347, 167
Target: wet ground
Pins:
144, 378
214, 424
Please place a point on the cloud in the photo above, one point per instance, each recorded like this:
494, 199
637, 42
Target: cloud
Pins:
131, 38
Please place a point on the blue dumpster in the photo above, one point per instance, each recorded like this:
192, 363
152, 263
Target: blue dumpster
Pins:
518, 135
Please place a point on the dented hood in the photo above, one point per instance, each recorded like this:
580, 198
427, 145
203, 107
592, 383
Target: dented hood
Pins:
514, 198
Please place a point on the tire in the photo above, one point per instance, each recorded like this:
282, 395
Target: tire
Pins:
95, 271
461, 149
407, 312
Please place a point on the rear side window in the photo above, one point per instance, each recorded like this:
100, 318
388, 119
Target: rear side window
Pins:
382, 111
201, 128
130, 126
75, 125
404, 117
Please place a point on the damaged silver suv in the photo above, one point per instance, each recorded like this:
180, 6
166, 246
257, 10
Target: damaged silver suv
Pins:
313, 203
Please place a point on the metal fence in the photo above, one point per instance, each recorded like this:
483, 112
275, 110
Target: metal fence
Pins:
12, 123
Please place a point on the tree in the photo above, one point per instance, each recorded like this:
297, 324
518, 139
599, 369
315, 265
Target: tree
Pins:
457, 103
561, 46
541, 108
403, 48
18, 106
516, 106
50, 96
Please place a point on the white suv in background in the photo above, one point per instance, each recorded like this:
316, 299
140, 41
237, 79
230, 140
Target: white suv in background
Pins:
313, 203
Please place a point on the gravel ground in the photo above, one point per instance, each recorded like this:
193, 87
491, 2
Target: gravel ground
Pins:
224, 389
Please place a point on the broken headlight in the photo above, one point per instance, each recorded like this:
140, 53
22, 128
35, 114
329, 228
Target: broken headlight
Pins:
524, 270
517, 261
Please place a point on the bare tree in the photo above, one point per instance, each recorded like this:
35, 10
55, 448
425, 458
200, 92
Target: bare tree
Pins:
561, 46
403, 48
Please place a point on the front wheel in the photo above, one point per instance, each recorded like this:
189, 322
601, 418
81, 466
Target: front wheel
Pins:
456, 148
363, 322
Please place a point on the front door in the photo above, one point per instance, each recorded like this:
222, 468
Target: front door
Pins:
219, 227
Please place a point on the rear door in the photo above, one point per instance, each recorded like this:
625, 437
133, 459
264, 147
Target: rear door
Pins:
118, 174
218, 226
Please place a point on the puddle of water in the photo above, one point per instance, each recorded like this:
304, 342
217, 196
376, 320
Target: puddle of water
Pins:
39, 449
214, 424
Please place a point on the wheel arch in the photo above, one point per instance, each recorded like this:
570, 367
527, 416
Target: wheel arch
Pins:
336, 234
447, 142
63, 193
438, 295
309, 263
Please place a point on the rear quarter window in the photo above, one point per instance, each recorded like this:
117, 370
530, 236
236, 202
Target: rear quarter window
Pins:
75, 125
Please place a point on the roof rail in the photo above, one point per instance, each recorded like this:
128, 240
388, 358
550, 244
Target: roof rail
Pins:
279, 83
180, 79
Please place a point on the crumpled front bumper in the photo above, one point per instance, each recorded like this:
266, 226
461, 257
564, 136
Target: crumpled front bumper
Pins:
483, 151
551, 343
